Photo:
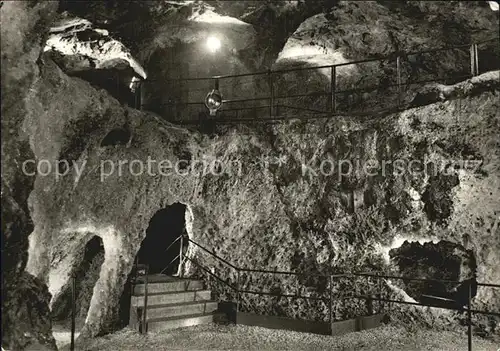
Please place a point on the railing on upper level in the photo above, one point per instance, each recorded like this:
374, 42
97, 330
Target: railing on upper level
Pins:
333, 90
370, 297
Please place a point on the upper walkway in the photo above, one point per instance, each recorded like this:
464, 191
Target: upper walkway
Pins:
359, 87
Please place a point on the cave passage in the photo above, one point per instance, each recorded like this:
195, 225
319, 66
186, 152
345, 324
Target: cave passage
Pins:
164, 227
441, 261
87, 274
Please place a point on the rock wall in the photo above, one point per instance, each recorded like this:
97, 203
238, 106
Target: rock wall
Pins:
25, 322
279, 215
359, 30
283, 215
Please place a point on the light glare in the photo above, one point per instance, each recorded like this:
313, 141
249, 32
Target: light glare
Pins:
213, 44
494, 5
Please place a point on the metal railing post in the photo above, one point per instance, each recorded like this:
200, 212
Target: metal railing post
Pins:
141, 93
379, 283
238, 291
476, 59
471, 55
73, 310
238, 297
333, 89
369, 304
180, 256
469, 316
117, 77
136, 94
330, 302
134, 317
145, 306
398, 72
271, 92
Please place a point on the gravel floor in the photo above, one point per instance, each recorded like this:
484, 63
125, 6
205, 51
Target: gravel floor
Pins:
217, 337
62, 334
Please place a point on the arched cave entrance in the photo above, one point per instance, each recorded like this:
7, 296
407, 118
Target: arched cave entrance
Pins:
441, 261
164, 228
87, 274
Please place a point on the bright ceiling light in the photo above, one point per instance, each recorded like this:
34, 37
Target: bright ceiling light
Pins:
213, 44
494, 5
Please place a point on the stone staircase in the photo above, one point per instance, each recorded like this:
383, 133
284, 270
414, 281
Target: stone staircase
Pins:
171, 303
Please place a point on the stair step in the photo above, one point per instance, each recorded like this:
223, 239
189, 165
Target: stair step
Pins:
160, 324
181, 309
172, 286
172, 298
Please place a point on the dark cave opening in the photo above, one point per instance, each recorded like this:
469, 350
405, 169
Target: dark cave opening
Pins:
164, 228
443, 260
116, 81
87, 274
118, 136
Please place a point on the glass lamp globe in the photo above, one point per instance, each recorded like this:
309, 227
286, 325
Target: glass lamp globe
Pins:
213, 101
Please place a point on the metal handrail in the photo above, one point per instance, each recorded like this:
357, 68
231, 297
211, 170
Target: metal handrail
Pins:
213, 254
282, 295
276, 119
170, 263
369, 298
419, 279
331, 108
281, 272
366, 297
173, 242
315, 93
339, 275
331, 276
388, 57
176, 257
212, 274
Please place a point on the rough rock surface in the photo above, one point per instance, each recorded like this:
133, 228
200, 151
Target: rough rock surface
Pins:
365, 29
83, 47
25, 313
276, 217
273, 21
358, 30
168, 38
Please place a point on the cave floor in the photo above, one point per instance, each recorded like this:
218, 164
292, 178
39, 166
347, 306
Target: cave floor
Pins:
233, 337
62, 334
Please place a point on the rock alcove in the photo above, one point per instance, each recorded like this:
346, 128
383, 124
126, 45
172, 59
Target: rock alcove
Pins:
443, 260
117, 136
